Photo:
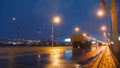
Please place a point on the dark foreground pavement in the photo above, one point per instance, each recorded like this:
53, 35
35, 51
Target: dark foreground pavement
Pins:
47, 57
39, 57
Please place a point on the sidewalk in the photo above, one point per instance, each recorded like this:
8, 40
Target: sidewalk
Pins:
104, 60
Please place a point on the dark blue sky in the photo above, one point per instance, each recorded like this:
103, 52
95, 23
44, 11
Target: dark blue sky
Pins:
34, 18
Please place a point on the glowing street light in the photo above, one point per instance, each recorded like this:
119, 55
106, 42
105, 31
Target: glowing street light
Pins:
77, 29
55, 20
103, 28
84, 34
100, 13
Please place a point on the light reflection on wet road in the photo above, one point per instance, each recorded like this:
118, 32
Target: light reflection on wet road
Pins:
40, 57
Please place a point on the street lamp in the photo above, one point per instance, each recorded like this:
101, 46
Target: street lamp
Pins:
100, 13
17, 37
77, 29
103, 28
55, 20
85, 34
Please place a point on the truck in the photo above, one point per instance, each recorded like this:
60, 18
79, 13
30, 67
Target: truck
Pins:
80, 41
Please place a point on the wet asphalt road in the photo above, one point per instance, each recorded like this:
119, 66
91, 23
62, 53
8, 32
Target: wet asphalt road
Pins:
40, 57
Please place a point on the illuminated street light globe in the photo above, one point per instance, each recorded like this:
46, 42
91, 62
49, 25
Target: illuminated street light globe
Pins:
13, 19
100, 13
56, 20
84, 34
103, 28
77, 29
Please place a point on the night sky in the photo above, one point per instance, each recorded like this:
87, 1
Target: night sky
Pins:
34, 18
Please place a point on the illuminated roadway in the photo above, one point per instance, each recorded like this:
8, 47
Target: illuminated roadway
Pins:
47, 57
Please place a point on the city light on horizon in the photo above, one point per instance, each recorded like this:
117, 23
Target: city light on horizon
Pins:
13, 18
68, 40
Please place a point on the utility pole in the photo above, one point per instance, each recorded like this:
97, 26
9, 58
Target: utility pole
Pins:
114, 26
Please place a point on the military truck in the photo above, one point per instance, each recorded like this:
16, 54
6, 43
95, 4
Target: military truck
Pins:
80, 41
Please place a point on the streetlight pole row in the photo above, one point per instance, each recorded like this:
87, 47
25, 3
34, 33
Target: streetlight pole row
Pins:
114, 23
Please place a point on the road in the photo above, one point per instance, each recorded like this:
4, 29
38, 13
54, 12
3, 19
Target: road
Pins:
42, 57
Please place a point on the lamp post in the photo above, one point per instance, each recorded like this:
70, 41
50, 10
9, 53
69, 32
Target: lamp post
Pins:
101, 13
17, 33
56, 20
